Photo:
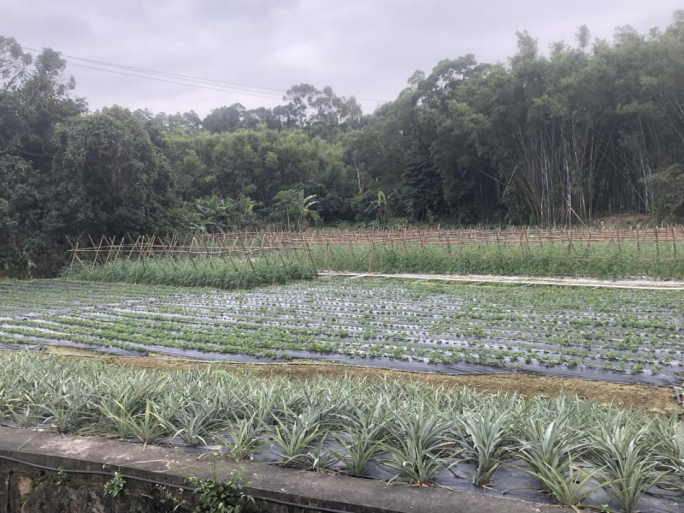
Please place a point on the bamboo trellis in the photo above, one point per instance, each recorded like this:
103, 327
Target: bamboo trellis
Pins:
246, 245
510, 235
191, 248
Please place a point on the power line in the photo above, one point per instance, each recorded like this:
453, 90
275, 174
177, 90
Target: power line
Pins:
176, 75
163, 73
172, 82
230, 86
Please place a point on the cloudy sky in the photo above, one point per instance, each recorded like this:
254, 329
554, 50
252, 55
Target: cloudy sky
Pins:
366, 48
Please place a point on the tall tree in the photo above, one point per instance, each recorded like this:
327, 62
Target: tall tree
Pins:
116, 181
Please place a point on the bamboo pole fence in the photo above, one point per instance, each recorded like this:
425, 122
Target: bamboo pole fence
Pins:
462, 236
363, 244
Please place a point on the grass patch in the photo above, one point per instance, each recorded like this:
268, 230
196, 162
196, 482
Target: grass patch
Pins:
233, 273
598, 260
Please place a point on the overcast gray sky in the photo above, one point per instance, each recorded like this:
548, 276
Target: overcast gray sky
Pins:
365, 48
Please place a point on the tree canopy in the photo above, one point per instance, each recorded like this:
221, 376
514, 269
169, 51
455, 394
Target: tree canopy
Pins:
551, 137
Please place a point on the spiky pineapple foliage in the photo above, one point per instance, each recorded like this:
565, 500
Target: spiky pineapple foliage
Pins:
416, 431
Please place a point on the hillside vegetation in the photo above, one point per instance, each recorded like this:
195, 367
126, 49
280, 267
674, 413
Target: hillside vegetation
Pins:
541, 137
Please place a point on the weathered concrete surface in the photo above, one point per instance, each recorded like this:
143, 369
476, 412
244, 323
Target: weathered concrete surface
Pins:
174, 466
477, 279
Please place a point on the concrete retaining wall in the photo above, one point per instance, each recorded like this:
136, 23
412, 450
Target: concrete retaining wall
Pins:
27, 489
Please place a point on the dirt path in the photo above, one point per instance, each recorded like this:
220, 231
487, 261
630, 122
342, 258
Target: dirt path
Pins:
520, 280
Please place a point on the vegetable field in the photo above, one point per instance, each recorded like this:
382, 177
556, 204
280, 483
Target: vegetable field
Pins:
563, 451
606, 334
235, 260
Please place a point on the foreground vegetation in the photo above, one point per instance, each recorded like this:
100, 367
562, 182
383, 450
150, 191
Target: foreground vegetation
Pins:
405, 432
607, 334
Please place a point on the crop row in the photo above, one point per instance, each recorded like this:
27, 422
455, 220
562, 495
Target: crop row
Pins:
575, 450
503, 326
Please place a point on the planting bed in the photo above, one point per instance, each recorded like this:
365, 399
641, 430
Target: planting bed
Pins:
611, 335
564, 451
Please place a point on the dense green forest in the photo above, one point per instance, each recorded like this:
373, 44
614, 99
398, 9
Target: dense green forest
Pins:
546, 137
